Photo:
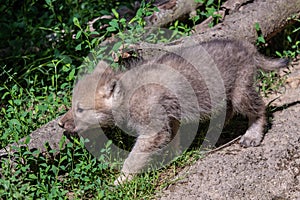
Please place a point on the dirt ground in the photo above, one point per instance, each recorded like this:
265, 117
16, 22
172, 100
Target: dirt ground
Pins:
268, 172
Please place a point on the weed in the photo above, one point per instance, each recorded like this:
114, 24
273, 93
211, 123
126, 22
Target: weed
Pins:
210, 10
269, 82
260, 38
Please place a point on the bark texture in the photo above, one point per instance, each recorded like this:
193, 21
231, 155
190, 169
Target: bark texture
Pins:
171, 10
238, 20
271, 15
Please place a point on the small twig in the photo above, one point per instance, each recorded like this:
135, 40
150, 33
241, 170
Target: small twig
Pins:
222, 146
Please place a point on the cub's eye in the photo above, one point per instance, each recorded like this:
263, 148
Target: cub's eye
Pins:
79, 110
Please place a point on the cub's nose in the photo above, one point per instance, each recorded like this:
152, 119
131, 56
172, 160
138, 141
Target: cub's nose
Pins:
61, 124
67, 121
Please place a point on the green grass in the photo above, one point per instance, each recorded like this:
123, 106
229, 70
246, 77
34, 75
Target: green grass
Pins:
74, 173
45, 43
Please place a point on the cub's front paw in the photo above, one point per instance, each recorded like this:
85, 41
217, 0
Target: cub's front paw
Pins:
123, 178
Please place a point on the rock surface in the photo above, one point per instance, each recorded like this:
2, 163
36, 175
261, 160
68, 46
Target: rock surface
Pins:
49, 134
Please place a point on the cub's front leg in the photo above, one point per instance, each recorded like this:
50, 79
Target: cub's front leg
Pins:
146, 148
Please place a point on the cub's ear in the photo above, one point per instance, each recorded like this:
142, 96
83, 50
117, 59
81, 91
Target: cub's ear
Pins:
101, 67
102, 63
111, 86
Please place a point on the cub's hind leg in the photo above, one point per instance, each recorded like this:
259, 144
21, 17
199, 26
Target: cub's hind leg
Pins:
248, 102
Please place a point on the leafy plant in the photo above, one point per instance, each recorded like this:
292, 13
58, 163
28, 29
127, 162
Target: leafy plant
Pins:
294, 51
210, 10
260, 39
269, 82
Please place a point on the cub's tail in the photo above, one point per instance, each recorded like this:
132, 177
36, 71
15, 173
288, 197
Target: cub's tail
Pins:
269, 64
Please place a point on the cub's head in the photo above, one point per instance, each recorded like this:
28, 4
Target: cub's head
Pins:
92, 99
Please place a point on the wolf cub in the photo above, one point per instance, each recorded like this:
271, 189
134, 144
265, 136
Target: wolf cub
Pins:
155, 97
